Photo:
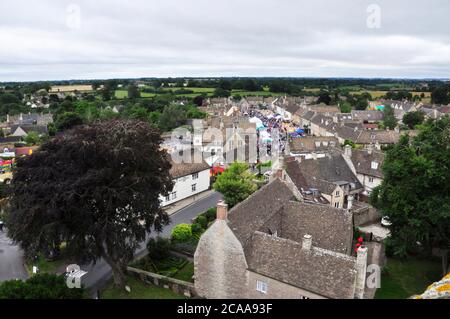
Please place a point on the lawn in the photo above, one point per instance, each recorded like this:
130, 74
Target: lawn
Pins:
403, 278
185, 273
123, 94
139, 290
50, 267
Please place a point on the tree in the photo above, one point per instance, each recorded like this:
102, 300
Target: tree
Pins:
68, 120
324, 97
441, 95
220, 92
133, 92
182, 233
389, 121
96, 188
32, 138
172, 117
198, 100
236, 183
345, 107
40, 286
415, 192
413, 118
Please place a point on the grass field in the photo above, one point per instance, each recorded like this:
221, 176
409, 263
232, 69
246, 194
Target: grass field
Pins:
139, 290
185, 273
403, 278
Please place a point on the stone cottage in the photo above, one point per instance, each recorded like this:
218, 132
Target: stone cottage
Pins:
274, 246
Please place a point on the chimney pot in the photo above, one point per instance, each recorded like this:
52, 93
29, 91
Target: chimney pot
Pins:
222, 211
307, 242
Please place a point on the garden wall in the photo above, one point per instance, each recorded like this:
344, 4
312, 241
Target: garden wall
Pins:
365, 215
178, 286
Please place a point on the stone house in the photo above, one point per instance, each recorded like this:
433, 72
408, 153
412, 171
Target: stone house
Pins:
366, 165
310, 146
329, 176
273, 246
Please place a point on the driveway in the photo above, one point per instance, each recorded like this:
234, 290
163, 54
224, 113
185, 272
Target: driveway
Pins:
11, 260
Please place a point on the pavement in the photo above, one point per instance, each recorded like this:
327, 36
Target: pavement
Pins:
99, 274
11, 259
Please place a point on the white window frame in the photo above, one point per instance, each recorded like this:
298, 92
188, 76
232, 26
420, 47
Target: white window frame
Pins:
174, 195
195, 176
261, 286
336, 204
194, 187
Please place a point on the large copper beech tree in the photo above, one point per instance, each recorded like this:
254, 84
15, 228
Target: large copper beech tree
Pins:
96, 188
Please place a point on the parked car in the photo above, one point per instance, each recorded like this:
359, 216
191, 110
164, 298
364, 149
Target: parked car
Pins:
385, 221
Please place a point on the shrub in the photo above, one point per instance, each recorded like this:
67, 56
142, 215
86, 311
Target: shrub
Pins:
158, 248
196, 228
211, 214
40, 286
202, 221
182, 233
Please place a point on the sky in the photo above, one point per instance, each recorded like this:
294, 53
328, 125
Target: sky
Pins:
99, 39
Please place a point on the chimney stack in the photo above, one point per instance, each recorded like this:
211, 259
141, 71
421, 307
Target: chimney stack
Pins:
307, 242
348, 150
222, 211
370, 149
361, 269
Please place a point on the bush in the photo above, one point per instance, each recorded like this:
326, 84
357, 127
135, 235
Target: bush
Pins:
40, 286
202, 221
211, 214
158, 248
182, 233
196, 228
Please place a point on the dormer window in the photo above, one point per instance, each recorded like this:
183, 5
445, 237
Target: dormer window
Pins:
374, 165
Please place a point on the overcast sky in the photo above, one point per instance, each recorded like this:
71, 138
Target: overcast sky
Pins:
54, 39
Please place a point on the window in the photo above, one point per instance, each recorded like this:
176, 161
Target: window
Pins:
370, 179
336, 204
195, 176
261, 286
338, 193
194, 187
167, 198
374, 165
174, 195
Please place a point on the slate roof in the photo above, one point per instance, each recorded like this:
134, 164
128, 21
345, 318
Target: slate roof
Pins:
10, 139
183, 169
382, 137
370, 116
249, 215
308, 144
320, 271
323, 174
362, 161
40, 129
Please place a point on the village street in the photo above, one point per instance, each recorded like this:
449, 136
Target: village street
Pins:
11, 259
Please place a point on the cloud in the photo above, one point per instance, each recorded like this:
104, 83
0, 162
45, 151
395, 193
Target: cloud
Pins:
44, 40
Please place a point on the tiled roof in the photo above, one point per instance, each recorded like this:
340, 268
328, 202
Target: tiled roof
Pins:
362, 161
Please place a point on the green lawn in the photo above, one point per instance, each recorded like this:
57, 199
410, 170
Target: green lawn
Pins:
139, 290
185, 273
49, 267
404, 278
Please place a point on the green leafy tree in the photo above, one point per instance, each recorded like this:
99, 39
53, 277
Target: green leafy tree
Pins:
389, 121
415, 192
345, 107
158, 248
32, 138
172, 117
96, 188
236, 183
68, 120
182, 233
413, 118
40, 286
133, 92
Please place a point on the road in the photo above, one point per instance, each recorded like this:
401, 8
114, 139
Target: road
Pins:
11, 260
99, 274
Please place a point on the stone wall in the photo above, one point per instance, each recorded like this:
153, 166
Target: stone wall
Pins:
276, 289
365, 215
178, 286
